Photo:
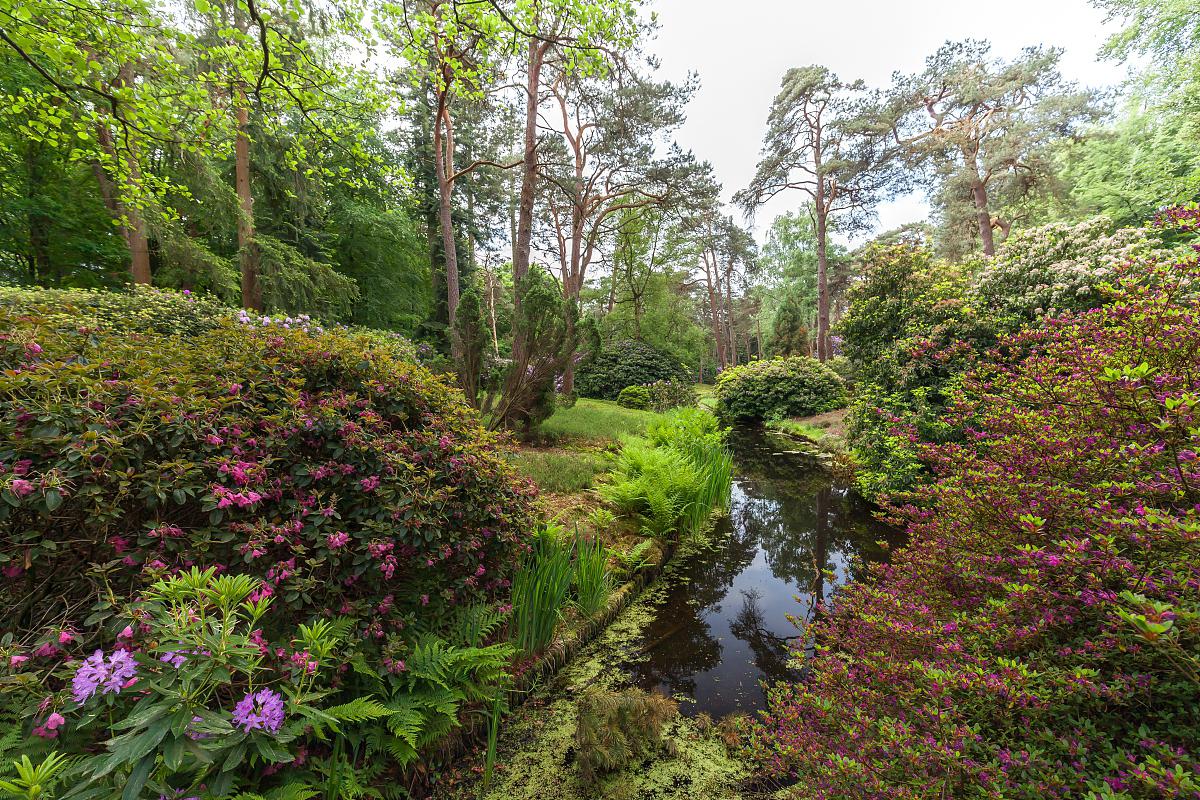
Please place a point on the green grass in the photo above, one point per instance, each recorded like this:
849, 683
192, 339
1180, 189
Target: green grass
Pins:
799, 428
596, 420
559, 471
706, 395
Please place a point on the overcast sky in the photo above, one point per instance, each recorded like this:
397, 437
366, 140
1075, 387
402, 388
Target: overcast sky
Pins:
742, 48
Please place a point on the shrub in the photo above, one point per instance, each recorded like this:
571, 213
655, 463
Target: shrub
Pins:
636, 397
665, 395
628, 363
1040, 637
1057, 268
142, 309
784, 387
912, 328
345, 479
615, 729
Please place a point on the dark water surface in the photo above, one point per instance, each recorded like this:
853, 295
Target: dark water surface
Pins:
723, 626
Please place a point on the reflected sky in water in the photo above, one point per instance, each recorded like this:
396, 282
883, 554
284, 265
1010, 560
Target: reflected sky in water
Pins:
723, 627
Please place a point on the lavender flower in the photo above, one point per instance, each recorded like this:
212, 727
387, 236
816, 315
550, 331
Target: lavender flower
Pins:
261, 710
108, 676
173, 657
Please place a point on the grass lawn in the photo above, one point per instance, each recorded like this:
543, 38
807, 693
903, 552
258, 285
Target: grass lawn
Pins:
596, 421
706, 395
559, 471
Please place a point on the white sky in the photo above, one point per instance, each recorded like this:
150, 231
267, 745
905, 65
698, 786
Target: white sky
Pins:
741, 50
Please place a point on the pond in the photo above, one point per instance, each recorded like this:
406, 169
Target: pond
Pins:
724, 624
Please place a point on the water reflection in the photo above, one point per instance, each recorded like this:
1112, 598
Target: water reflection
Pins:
790, 540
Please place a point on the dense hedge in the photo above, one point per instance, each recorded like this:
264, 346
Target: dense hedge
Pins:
627, 363
1040, 637
349, 479
783, 387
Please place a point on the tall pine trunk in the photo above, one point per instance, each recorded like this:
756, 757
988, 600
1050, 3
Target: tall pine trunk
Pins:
247, 251
822, 285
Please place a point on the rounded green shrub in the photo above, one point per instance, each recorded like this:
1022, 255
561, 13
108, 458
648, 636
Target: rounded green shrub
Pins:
637, 397
784, 387
626, 363
346, 478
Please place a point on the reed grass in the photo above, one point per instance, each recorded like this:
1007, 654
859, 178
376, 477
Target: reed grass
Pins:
593, 580
540, 589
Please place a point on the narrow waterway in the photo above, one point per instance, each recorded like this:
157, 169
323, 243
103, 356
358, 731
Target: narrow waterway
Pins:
724, 624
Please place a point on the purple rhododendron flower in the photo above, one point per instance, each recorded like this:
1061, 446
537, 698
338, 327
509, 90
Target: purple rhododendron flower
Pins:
261, 710
173, 657
109, 676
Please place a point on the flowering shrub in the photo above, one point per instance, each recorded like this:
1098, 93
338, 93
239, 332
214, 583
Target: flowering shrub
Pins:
1057, 268
346, 479
665, 395
783, 387
142, 309
1040, 636
187, 692
629, 363
912, 328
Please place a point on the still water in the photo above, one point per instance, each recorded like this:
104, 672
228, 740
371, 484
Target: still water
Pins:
791, 538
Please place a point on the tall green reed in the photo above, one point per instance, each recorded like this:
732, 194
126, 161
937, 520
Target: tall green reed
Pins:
540, 589
593, 580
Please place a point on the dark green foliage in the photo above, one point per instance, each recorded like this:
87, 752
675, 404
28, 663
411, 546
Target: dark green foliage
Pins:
616, 729
626, 363
637, 397
912, 328
784, 387
545, 338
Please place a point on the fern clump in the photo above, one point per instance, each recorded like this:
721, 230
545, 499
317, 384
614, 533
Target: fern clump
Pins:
675, 479
615, 729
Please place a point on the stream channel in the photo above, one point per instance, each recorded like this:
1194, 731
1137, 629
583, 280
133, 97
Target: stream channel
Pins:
723, 624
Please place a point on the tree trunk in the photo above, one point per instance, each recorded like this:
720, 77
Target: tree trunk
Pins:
979, 195
521, 254
733, 351
714, 313
37, 222
135, 233
129, 220
822, 285
248, 253
443, 164
491, 295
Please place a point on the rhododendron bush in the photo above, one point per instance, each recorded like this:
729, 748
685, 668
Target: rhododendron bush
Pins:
1040, 636
347, 479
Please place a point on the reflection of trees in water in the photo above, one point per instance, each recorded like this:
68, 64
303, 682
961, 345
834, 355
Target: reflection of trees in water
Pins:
805, 528
770, 650
679, 643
